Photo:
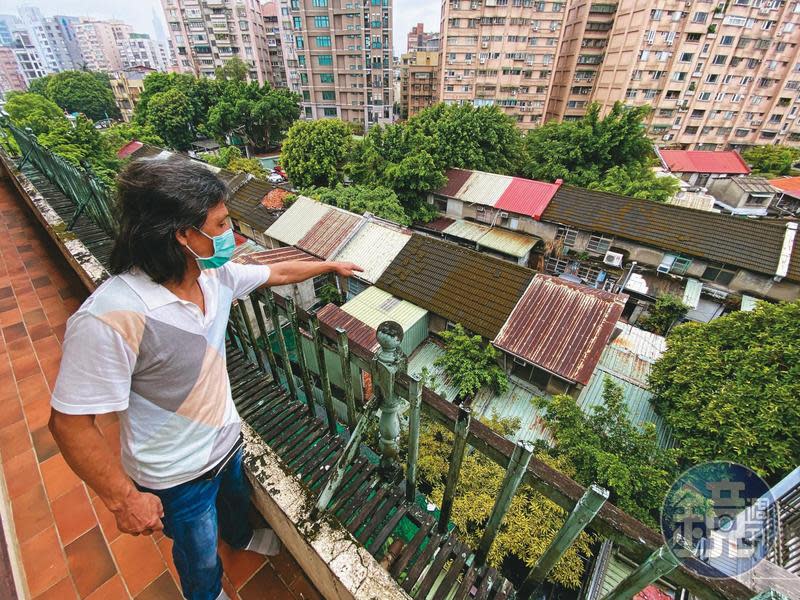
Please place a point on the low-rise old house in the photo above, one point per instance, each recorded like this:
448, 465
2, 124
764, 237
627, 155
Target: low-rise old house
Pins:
697, 167
746, 195
788, 202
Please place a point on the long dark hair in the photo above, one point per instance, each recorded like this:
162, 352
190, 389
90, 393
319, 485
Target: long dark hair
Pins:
158, 197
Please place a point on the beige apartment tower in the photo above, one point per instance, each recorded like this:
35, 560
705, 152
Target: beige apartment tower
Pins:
206, 33
419, 82
338, 56
715, 74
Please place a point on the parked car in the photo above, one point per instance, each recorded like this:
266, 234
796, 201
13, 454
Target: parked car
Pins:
275, 178
279, 170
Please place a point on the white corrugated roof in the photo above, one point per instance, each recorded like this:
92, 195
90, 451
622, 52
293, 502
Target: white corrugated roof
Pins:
484, 188
373, 247
296, 222
373, 306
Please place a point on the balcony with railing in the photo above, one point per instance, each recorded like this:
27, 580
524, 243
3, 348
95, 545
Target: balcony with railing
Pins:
337, 477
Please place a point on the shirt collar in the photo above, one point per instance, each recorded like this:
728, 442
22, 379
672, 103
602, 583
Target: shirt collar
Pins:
153, 294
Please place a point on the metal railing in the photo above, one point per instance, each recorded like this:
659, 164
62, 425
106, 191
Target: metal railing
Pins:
91, 196
395, 391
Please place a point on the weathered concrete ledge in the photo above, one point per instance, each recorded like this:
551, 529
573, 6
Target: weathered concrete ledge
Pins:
338, 565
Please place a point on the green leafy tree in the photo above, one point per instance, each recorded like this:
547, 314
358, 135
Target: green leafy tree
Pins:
120, 134
729, 388
532, 520
39, 85
81, 144
607, 449
34, 111
378, 200
637, 180
581, 152
230, 157
233, 69
329, 294
315, 152
80, 91
771, 160
663, 314
470, 362
170, 114
202, 95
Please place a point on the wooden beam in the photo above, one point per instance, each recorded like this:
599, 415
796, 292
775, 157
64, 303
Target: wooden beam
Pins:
322, 368
658, 564
262, 330
291, 312
276, 326
456, 458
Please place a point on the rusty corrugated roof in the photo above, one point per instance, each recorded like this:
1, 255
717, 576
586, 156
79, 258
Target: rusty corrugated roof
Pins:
245, 205
752, 244
272, 257
561, 327
484, 188
329, 232
358, 333
456, 178
461, 285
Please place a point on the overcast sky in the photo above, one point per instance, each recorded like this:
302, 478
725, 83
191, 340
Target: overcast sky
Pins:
407, 13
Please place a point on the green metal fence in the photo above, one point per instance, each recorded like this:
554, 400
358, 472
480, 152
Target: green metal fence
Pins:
91, 196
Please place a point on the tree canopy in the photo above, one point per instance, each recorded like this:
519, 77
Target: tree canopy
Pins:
33, 110
470, 362
606, 448
85, 92
378, 200
532, 521
667, 309
170, 114
771, 161
729, 388
233, 69
315, 152
637, 180
581, 152
230, 157
120, 134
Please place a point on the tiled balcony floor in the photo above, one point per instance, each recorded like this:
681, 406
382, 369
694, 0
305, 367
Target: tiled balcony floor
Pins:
69, 545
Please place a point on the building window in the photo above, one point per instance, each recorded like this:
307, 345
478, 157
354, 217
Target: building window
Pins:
599, 243
319, 3
322, 22
326, 77
323, 41
680, 265
329, 112
325, 60
328, 95
567, 236
298, 41
298, 23
719, 274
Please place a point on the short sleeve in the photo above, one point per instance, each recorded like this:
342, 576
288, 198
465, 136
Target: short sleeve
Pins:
243, 279
96, 368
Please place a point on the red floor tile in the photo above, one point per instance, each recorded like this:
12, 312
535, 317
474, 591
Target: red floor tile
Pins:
58, 477
106, 518
89, 561
63, 590
139, 561
265, 584
239, 564
163, 588
14, 440
31, 513
21, 474
113, 589
43, 560
73, 514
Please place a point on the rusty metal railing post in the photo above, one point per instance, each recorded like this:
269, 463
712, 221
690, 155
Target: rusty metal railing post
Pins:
389, 361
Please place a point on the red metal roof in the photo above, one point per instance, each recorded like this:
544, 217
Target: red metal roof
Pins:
727, 162
561, 327
274, 256
790, 185
527, 197
439, 224
456, 178
358, 332
129, 149
326, 235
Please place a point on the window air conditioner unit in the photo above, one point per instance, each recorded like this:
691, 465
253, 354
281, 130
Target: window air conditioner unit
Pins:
613, 259
483, 61
480, 209
503, 215
666, 263
485, 45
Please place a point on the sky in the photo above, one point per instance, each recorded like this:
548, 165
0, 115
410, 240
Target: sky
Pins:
407, 13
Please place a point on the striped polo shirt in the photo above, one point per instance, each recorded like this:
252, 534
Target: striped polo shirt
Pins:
135, 348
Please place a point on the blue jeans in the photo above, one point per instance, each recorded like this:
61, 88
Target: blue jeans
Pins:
192, 513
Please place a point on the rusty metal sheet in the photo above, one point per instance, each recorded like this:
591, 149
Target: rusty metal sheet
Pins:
331, 231
358, 333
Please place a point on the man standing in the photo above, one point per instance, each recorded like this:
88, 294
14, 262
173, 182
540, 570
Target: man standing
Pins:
149, 344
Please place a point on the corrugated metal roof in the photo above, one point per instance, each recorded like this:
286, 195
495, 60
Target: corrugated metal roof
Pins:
517, 402
298, 220
461, 285
467, 230
694, 200
527, 197
508, 242
373, 248
646, 345
129, 149
373, 306
755, 185
456, 178
561, 327
439, 224
422, 358
753, 244
790, 185
327, 234
727, 162
270, 257
748, 302
358, 333
691, 294
483, 188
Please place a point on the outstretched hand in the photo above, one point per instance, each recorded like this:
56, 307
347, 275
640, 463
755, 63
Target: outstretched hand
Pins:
346, 269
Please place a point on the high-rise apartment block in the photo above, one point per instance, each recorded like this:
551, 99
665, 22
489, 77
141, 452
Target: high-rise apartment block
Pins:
99, 42
419, 39
500, 52
27, 56
272, 30
716, 74
53, 37
338, 55
140, 50
206, 33
419, 82
11, 78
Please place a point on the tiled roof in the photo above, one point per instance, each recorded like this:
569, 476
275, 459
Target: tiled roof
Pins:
461, 285
747, 243
456, 178
327, 234
373, 248
148, 151
439, 224
274, 198
527, 197
245, 205
561, 327
298, 220
702, 161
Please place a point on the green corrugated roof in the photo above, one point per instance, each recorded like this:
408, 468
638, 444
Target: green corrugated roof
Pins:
373, 306
508, 242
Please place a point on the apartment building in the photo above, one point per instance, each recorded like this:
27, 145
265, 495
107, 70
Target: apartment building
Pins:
272, 30
419, 89
500, 52
338, 56
204, 34
99, 43
140, 50
420, 40
54, 38
10, 77
27, 56
128, 86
